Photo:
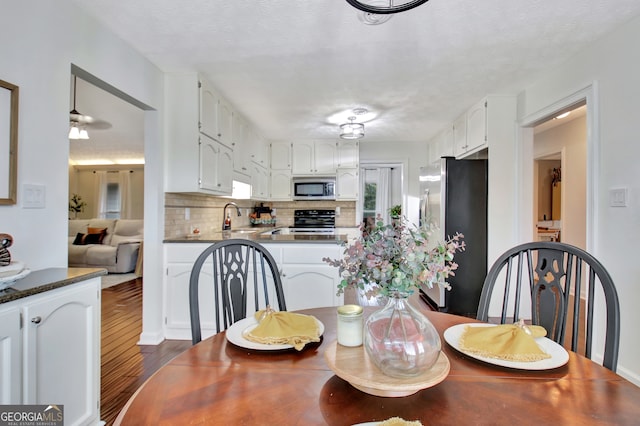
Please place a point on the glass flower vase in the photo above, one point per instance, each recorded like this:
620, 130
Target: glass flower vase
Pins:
400, 340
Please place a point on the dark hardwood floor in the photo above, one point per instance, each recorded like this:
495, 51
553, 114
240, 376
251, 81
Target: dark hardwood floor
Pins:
124, 364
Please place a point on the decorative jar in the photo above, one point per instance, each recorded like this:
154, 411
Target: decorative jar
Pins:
400, 340
350, 325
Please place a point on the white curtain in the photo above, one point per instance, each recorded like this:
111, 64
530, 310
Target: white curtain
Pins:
383, 194
100, 193
124, 184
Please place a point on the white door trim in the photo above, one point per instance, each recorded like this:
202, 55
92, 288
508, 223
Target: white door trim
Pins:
525, 156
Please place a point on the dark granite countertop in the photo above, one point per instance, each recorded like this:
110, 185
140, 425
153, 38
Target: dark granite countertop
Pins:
47, 279
263, 237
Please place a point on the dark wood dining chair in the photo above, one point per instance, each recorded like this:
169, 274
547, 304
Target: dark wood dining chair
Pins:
552, 273
233, 269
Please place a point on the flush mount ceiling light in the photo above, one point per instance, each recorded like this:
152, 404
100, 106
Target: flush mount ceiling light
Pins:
385, 7
351, 130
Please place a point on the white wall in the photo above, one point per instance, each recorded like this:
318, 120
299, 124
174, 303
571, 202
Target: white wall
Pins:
613, 66
40, 41
412, 155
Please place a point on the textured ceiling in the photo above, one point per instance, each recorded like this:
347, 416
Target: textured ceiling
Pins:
299, 67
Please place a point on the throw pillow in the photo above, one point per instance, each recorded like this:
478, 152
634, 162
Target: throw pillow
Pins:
84, 239
96, 230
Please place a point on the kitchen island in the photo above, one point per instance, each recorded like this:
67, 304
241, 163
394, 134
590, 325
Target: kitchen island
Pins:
50, 342
307, 280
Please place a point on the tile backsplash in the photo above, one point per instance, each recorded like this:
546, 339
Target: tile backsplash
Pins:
205, 212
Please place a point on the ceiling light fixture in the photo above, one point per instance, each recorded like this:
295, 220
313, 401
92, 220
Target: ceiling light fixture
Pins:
76, 132
387, 7
351, 130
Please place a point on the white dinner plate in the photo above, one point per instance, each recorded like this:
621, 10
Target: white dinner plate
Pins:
235, 332
559, 355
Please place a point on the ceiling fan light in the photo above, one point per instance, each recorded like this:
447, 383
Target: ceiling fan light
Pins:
74, 132
83, 134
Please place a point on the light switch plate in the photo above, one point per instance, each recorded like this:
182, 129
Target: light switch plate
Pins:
618, 197
33, 196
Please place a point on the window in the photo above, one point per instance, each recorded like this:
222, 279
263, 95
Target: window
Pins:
369, 205
113, 201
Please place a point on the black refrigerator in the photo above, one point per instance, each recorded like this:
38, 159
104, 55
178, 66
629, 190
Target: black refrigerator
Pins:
454, 198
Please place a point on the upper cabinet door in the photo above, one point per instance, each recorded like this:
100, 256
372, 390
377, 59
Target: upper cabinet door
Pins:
477, 126
460, 135
280, 155
302, 161
216, 115
326, 153
225, 122
208, 110
348, 154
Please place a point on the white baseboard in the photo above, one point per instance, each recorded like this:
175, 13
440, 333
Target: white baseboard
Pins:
151, 339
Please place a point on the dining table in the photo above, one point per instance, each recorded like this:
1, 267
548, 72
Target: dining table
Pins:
216, 382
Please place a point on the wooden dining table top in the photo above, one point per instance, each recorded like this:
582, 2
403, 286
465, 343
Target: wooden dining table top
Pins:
218, 383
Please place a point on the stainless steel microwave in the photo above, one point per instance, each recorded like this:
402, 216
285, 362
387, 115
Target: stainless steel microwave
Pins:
314, 188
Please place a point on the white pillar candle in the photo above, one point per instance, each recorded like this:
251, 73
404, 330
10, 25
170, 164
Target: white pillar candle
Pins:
350, 325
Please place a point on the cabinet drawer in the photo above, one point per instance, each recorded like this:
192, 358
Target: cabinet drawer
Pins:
189, 252
309, 255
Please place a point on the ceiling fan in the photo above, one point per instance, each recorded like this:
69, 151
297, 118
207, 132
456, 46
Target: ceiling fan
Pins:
79, 122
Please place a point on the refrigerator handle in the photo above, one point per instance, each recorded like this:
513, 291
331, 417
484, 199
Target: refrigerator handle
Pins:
425, 206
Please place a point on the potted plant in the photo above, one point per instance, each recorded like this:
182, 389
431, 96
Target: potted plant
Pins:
76, 205
394, 261
396, 211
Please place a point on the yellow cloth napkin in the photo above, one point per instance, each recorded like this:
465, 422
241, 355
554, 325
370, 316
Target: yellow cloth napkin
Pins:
507, 341
281, 328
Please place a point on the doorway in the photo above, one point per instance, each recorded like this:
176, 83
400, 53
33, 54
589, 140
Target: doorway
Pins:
381, 189
578, 168
560, 163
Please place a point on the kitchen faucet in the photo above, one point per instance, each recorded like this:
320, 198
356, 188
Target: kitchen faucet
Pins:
226, 220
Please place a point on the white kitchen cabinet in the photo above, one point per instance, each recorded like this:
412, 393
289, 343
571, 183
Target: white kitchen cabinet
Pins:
259, 182
280, 155
314, 157
307, 281
441, 145
195, 157
280, 185
10, 351
347, 183
486, 123
259, 147
179, 260
348, 154
216, 115
240, 145
476, 127
460, 135
51, 344
216, 166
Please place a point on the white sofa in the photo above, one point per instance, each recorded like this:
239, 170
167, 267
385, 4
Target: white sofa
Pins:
118, 250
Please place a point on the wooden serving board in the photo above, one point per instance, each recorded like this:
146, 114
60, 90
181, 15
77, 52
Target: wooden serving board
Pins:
353, 365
